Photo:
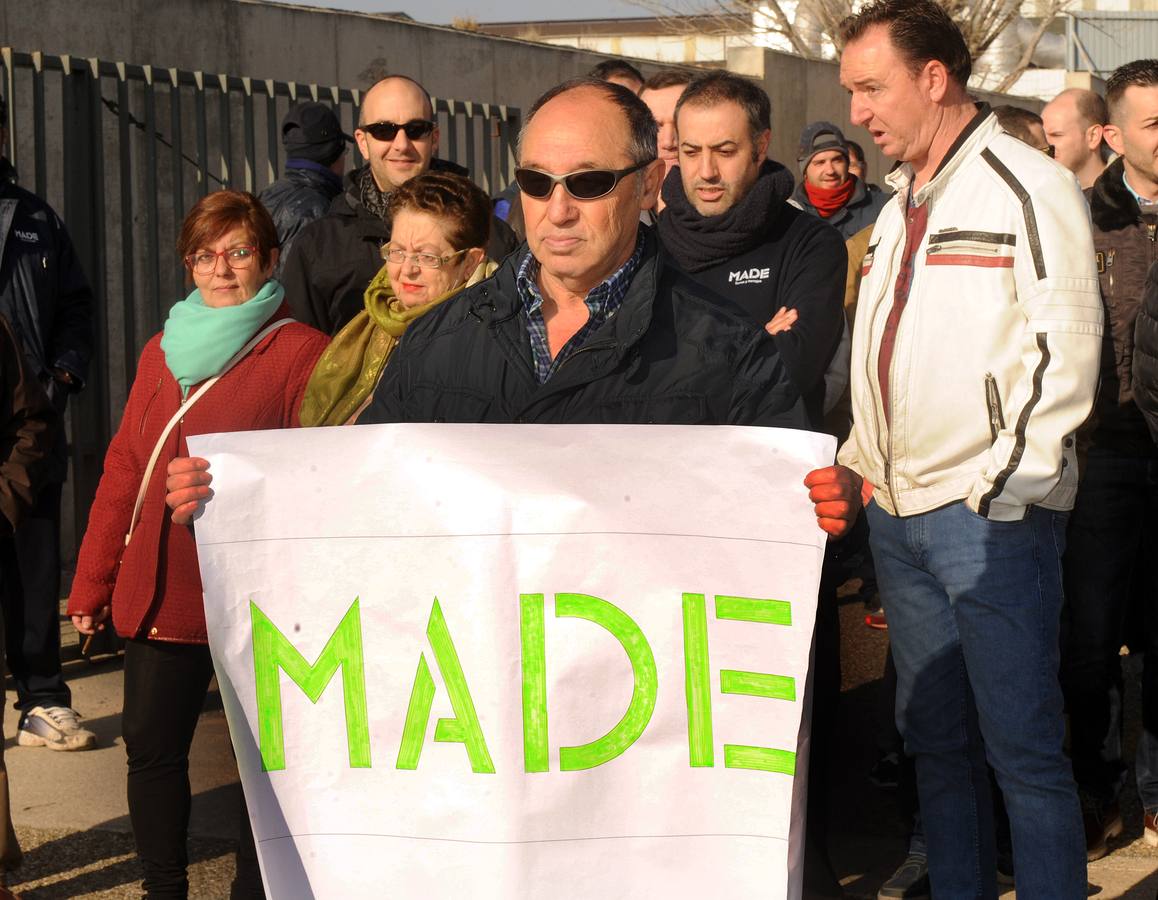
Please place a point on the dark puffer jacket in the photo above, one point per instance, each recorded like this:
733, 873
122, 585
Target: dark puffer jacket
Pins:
1126, 248
1146, 354
336, 257
862, 209
672, 354
28, 426
302, 195
46, 298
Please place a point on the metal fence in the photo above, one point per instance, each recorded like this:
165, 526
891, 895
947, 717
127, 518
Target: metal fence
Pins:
122, 151
1100, 41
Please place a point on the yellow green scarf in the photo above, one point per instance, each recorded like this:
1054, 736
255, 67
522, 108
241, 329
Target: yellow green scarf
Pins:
347, 373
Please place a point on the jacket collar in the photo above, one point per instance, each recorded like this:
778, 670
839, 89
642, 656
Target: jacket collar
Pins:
315, 170
974, 138
349, 202
497, 306
1112, 206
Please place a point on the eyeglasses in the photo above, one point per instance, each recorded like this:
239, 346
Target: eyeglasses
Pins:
587, 184
205, 262
424, 260
1048, 150
415, 129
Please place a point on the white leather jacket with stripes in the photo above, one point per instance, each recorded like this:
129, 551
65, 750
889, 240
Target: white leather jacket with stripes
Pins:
995, 362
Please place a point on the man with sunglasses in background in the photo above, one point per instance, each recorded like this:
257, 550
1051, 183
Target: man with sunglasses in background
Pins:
336, 257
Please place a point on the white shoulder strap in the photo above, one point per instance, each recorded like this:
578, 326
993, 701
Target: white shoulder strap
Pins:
184, 408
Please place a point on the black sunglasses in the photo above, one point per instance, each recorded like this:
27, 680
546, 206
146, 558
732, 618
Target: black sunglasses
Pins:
587, 184
415, 129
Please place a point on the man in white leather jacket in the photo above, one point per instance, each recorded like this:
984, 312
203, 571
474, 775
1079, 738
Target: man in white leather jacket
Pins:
975, 358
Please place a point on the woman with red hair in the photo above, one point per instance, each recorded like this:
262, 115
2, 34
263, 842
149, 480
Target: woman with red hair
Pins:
228, 359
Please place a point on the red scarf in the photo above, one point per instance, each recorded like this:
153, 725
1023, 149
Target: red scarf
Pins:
829, 201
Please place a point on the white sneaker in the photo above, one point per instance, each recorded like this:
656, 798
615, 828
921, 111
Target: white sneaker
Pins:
54, 727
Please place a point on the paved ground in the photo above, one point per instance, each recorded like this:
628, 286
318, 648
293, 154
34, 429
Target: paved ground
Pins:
72, 819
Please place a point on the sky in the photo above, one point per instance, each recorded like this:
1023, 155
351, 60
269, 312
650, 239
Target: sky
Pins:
441, 12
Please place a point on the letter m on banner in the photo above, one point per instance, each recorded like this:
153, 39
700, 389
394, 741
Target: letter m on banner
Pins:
273, 654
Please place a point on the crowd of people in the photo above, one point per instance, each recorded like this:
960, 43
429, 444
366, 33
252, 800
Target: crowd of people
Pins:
981, 334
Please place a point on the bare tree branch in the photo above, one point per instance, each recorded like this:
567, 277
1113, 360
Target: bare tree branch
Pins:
981, 22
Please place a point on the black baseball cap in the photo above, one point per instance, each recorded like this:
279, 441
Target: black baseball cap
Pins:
311, 131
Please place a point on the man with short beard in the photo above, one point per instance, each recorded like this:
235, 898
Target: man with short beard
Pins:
335, 257
728, 224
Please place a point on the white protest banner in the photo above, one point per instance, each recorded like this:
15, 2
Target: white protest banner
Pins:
514, 661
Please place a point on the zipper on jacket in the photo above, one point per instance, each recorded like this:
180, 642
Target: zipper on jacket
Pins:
958, 246
148, 406
993, 403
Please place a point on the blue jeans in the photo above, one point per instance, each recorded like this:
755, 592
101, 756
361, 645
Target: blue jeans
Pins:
1109, 563
974, 609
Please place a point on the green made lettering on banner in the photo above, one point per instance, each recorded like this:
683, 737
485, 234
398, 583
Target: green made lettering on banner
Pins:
273, 653
464, 728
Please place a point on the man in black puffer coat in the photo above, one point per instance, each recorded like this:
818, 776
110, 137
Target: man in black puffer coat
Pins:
315, 148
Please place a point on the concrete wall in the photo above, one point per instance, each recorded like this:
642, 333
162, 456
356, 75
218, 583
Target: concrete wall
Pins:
292, 43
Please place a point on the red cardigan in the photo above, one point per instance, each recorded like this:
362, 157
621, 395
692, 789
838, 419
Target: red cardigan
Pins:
155, 589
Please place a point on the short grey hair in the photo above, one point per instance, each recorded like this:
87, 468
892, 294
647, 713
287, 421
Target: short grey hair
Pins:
643, 132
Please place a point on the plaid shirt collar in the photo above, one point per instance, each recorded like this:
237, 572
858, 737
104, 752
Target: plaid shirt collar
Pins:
602, 303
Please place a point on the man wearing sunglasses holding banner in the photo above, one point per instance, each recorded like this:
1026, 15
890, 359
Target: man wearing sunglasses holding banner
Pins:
336, 257
589, 322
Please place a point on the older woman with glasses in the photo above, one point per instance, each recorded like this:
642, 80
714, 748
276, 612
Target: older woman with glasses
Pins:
440, 229
228, 359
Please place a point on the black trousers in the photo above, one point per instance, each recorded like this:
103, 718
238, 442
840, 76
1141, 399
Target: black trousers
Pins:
30, 598
165, 689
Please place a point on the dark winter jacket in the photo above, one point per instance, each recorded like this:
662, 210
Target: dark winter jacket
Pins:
775, 256
45, 297
28, 426
304, 193
1146, 354
861, 210
335, 257
672, 354
1125, 247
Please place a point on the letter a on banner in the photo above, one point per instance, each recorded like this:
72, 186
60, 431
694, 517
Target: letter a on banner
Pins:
464, 728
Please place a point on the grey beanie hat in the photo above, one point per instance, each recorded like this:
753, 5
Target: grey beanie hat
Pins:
818, 137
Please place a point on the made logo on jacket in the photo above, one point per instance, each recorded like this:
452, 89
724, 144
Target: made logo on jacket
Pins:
749, 276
